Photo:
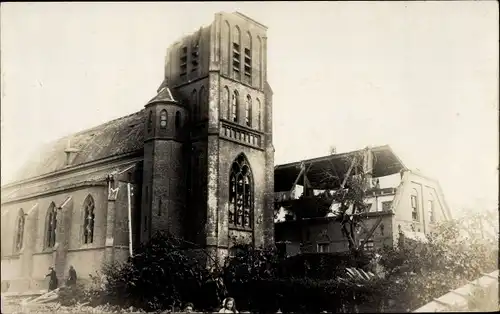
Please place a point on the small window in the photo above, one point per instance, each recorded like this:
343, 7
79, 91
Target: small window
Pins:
430, 208
234, 251
150, 121
227, 100
177, 120
369, 245
259, 115
323, 248
236, 58
194, 104
248, 111
414, 206
386, 206
163, 119
234, 107
248, 65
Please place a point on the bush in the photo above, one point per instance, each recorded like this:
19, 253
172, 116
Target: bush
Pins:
161, 275
421, 272
263, 281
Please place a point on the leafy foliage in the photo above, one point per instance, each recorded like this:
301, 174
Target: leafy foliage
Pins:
421, 272
163, 274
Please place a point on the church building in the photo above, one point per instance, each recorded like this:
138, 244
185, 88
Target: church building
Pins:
196, 161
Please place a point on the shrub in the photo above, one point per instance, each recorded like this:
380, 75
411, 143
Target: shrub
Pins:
161, 275
421, 272
264, 281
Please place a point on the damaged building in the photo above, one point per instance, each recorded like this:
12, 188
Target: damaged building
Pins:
401, 204
197, 161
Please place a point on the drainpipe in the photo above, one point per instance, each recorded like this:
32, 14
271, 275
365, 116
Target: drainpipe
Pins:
129, 219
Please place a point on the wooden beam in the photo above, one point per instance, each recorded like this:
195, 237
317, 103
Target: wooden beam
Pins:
302, 169
353, 162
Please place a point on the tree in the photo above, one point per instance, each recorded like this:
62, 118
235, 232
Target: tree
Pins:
350, 198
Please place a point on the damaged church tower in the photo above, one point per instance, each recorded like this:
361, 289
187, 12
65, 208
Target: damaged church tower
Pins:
197, 162
212, 180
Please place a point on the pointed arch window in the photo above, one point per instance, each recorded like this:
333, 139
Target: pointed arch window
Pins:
236, 53
259, 115
51, 225
227, 103
241, 194
234, 107
194, 103
20, 221
150, 121
248, 58
88, 220
201, 102
248, 111
177, 120
163, 118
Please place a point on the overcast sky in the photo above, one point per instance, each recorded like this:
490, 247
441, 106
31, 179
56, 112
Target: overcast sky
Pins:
421, 77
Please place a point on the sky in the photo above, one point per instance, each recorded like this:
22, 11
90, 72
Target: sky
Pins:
419, 76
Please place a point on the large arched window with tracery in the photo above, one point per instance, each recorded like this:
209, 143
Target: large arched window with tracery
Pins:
88, 220
240, 193
51, 225
19, 230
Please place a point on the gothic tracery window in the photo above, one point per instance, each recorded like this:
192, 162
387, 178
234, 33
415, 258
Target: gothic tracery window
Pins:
88, 220
240, 194
19, 230
51, 225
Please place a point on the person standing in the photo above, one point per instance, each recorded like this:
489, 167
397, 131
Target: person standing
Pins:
52, 279
71, 276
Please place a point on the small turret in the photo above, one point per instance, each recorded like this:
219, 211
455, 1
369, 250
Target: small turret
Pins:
164, 173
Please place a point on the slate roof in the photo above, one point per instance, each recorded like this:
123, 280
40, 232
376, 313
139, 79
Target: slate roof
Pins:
113, 138
164, 95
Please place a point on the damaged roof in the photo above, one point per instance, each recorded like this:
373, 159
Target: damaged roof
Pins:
113, 138
327, 172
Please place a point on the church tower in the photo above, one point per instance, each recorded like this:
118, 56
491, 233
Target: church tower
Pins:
221, 70
164, 170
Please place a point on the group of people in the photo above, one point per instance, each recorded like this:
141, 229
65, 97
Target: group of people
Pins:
228, 306
54, 282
